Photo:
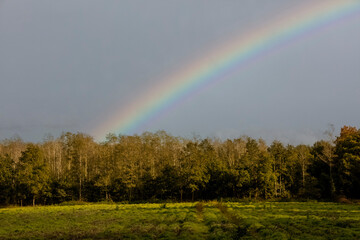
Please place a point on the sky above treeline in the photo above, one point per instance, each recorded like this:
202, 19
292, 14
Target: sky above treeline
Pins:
70, 65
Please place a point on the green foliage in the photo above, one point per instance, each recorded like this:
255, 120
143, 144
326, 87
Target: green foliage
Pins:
348, 161
321, 181
32, 173
158, 167
7, 176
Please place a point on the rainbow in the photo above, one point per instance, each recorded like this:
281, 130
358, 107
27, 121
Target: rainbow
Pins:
225, 59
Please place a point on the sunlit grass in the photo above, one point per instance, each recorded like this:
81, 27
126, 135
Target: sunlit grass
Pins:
208, 220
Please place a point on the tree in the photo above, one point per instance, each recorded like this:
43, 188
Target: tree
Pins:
129, 161
79, 151
192, 167
348, 162
7, 174
53, 154
13, 147
279, 154
105, 166
321, 170
32, 173
259, 166
303, 157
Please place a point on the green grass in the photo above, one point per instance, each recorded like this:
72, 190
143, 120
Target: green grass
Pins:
210, 220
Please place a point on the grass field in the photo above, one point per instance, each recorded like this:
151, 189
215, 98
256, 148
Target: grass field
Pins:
210, 220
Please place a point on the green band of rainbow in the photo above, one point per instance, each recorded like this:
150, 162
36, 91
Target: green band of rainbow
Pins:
224, 59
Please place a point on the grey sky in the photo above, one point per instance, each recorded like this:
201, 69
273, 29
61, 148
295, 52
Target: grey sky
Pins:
65, 65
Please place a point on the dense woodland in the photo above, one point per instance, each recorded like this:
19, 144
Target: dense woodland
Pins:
158, 167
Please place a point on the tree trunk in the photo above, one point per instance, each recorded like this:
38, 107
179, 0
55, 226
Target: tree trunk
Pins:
86, 168
192, 196
303, 175
80, 190
34, 201
181, 195
80, 179
332, 185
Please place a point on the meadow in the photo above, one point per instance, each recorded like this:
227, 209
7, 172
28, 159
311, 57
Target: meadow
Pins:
199, 220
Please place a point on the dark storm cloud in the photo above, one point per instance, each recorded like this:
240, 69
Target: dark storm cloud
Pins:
65, 65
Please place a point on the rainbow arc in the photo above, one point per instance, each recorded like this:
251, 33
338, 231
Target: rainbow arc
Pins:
227, 58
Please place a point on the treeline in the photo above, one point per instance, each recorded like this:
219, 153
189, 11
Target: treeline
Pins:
158, 166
